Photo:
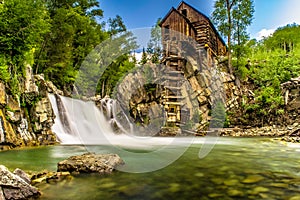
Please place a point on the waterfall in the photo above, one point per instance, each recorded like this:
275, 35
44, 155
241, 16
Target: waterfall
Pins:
79, 122
116, 116
82, 122
2, 136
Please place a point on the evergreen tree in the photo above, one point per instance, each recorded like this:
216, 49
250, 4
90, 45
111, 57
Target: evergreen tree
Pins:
116, 25
144, 59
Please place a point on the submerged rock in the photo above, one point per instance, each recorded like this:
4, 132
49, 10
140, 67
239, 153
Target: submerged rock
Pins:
235, 193
90, 163
253, 179
15, 187
50, 177
258, 190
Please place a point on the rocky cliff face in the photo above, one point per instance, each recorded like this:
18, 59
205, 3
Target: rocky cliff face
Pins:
247, 115
291, 94
26, 120
141, 94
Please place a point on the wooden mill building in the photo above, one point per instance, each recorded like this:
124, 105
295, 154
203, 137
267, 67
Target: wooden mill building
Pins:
185, 28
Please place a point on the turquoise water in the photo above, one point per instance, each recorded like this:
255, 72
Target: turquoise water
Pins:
235, 169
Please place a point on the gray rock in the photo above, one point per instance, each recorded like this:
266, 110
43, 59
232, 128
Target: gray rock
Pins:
14, 187
30, 88
90, 163
22, 175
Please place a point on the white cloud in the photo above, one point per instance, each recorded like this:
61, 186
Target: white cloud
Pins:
264, 33
138, 56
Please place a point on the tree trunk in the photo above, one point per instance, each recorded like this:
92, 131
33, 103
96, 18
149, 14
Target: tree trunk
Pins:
229, 35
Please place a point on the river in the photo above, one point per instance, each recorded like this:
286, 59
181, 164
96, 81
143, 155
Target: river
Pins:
236, 168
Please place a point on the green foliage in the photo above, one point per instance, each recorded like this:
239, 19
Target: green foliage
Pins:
116, 25
266, 65
115, 71
232, 18
74, 33
218, 115
197, 117
4, 74
106, 65
154, 47
144, 59
285, 38
15, 86
56, 37
148, 74
22, 26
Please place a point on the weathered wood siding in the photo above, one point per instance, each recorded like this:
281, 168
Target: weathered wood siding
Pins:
176, 23
190, 22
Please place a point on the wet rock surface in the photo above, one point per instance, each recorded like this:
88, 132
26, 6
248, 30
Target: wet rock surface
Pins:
46, 177
90, 163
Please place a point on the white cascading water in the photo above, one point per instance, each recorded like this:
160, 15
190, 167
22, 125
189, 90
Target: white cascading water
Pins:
110, 106
84, 123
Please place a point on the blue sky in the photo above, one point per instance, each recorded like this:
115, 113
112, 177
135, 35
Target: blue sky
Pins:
137, 14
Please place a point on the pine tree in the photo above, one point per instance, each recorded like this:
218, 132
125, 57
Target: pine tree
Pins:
144, 59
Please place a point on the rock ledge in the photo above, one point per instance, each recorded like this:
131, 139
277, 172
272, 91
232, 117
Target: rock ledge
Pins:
90, 163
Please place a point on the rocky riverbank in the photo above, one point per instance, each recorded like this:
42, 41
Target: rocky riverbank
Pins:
19, 185
288, 134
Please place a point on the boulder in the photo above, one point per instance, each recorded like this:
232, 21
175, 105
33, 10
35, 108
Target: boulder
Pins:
14, 187
90, 163
22, 175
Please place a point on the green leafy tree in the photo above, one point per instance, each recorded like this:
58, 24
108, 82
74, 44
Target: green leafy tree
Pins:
272, 61
232, 18
22, 27
4, 73
106, 65
74, 33
285, 38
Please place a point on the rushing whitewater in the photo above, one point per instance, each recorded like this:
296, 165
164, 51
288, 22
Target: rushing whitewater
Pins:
82, 122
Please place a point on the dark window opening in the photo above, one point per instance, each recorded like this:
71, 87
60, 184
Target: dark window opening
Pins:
184, 12
167, 29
